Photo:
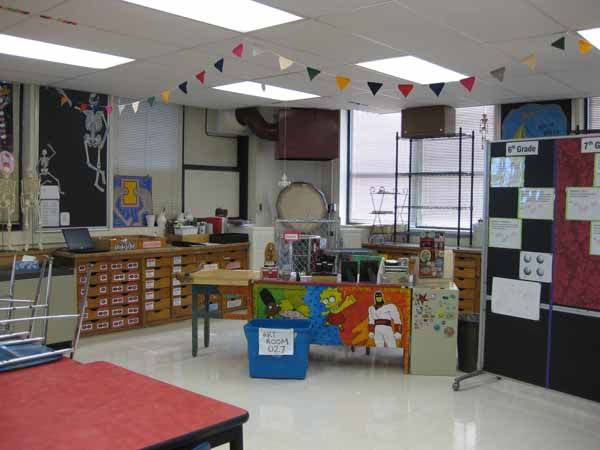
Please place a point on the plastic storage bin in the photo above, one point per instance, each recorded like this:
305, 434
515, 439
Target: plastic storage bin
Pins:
281, 367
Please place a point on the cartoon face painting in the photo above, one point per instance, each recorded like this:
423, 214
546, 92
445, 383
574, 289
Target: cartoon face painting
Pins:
334, 304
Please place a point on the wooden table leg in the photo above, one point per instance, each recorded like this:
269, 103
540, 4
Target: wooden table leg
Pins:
207, 292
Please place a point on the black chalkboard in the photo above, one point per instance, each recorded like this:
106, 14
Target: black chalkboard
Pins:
73, 153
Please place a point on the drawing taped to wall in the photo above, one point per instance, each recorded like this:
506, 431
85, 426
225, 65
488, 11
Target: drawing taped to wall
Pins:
132, 200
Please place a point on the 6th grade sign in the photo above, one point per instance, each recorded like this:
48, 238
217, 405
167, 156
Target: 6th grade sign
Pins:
275, 342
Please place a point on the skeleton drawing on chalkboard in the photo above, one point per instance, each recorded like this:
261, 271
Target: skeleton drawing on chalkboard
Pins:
46, 176
96, 134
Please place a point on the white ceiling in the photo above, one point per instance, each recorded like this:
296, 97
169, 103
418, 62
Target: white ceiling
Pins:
468, 36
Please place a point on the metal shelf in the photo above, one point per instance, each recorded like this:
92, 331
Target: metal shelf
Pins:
382, 213
449, 208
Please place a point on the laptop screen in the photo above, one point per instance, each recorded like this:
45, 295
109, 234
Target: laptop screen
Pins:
78, 238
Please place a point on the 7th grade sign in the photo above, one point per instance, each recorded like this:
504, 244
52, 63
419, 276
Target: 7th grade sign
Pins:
275, 342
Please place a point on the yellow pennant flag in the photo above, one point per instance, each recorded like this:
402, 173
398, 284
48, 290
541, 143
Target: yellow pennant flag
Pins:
63, 100
530, 61
342, 82
584, 47
285, 63
165, 96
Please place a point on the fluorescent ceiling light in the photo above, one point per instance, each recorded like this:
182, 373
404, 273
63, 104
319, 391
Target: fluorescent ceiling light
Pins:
238, 15
413, 69
592, 36
28, 48
265, 91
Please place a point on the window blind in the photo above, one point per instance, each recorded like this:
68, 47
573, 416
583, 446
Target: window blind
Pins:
372, 159
149, 143
594, 113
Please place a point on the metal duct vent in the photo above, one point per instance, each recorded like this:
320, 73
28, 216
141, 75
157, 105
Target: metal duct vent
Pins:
254, 120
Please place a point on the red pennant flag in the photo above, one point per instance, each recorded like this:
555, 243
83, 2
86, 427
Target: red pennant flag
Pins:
468, 83
108, 109
83, 107
238, 50
406, 89
200, 76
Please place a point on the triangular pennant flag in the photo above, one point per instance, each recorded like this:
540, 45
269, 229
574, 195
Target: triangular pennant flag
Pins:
584, 47
498, 73
312, 72
342, 82
374, 87
238, 50
200, 76
121, 108
437, 88
285, 63
257, 51
219, 65
183, 87
468, 83
135, 106
84, 107
559, 43
108, 109
165, 96
151, 100
406, 89
530, 61
63, 100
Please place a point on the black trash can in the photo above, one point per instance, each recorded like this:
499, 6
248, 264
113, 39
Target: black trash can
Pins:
468, 342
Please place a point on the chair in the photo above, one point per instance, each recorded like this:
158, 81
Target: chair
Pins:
22, 349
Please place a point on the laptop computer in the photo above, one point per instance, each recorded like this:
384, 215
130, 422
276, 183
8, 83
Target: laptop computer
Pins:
79, 241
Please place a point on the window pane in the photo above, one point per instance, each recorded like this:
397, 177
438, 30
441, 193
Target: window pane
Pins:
435, 197
372, 161
594, 117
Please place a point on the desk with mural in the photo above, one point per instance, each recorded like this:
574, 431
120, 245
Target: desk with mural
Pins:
343, 313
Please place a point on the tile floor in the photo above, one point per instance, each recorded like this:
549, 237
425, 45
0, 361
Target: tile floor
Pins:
353, 401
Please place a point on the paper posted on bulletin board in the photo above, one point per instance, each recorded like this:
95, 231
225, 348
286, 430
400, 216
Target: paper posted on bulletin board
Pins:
583, 203
516, 298
505, 233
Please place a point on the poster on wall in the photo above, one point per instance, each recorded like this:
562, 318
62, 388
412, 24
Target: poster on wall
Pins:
533, 120
73, 156
132, 200
9, 148
370, 316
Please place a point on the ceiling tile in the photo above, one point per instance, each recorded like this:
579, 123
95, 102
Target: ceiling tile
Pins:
86, 38
487, 20
319, 38
26, 76
8, 18
539, 86
34, 6
584, 81
573, 14
144, 23
316, 8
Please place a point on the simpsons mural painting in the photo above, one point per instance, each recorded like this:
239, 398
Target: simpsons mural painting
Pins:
357, 316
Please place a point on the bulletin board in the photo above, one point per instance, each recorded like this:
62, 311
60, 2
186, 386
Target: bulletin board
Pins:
542, 318
72, 158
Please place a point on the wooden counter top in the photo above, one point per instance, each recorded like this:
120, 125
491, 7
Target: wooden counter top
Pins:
154, 251
415, 247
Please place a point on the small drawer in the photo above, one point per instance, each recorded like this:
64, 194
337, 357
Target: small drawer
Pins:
132, 299
118, 277
132, 322
189, 268
95, 291
117, 312
131, 265
156, 273
93, 314
117, 323
132, 310
157, 294
465, 263
87, 327
159, 261
97, 302
181, 291
464, 273
154, 305
117, 300
465, 283
182, 311
99, 278
183, 260
233, 303
116, 266
157, 284
466, 305
158, 315
467, 294
182, 301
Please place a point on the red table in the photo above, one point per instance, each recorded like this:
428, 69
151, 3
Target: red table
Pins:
68, 405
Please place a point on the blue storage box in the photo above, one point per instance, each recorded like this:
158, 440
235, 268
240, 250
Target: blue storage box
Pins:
279, 366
